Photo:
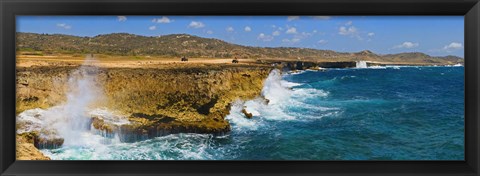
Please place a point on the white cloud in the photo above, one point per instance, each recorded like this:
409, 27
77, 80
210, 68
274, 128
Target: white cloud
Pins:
64, 26
152, 28
164, 19
406, 45
453, 46
297, 37
265, 38
306, 34
293, 40
291, 30
247, 29
322, 17
322, 41
276, 33
121, 18
209, 32
196, 24
229, 29
347, 30
370, 34
314, 31
291, 18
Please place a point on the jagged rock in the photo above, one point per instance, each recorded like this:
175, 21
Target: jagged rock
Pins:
144, 126
48, 143
25, 150
171, 98
45, 139
247, 114
266, 101
106, 129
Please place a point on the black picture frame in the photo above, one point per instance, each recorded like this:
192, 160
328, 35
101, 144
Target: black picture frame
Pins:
470, 9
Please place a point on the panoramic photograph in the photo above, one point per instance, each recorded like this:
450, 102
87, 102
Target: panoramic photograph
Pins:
322, 88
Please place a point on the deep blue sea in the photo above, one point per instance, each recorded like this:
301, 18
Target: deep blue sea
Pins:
392, 113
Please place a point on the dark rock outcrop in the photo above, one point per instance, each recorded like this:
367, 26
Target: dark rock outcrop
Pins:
145, 126
44, 139
247, 114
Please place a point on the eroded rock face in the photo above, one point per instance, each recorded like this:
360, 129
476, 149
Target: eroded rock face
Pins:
42, 140
33, 125
154, 101
144, 127
25, 150
47, 142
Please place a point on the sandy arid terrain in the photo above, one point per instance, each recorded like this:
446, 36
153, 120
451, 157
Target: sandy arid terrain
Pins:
119, 61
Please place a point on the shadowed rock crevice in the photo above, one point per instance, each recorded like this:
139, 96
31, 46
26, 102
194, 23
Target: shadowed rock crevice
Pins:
205, 108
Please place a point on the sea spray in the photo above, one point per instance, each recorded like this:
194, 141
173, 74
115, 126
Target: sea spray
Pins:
238, 120
278, 102
275, 93
70, 121
273, 89
361, 64
83, 91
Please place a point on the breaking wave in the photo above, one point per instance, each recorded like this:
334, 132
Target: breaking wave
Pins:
281, 101
170, 147
71, 120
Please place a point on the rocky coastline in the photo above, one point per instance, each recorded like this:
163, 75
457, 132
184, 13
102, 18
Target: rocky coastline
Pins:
155, 101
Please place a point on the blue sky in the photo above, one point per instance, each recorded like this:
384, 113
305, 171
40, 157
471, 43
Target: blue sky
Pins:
434, 35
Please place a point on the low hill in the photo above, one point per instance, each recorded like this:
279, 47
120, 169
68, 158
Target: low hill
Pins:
177, 45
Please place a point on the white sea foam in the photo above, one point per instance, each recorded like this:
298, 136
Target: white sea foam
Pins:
30, 120
361, 64
273, 89
170, 147
377, 67
281, 98
289, 84
309, 93
238, 120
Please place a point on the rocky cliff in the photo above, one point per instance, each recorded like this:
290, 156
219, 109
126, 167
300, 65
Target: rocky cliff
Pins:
156, 101
25, 149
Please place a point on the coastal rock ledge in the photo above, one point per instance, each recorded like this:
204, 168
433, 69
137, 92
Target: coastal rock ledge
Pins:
155, 101
25, 150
